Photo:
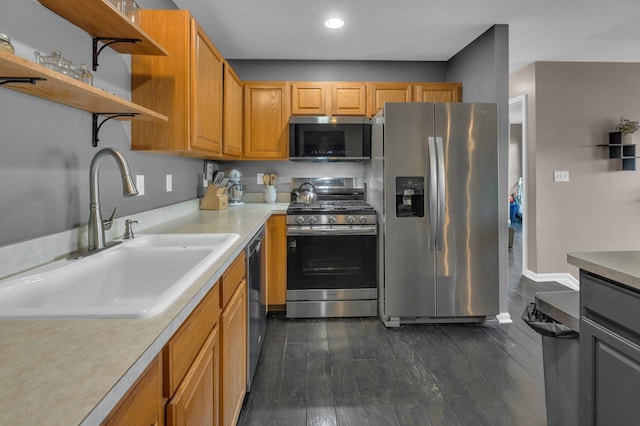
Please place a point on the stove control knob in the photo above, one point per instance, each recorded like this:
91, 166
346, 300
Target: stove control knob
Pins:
331, 220
351, 220
300, 220
313, 220
363, 220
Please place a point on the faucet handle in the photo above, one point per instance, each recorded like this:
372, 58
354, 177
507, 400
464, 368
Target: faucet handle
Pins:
128, 229
107, 223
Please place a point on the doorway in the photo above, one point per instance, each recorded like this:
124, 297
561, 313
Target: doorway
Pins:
518, 173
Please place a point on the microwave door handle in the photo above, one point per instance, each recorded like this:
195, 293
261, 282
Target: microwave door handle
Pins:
433, 198
442, 201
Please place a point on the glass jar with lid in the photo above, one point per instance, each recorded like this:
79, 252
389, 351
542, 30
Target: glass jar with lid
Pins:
5, 43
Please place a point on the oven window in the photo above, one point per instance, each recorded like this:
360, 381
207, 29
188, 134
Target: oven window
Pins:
331, 262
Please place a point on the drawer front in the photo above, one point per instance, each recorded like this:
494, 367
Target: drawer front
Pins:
231, 279
614, 302
185, 344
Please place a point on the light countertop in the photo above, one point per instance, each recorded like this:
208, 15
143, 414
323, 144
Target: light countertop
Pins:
619, 266
71, 372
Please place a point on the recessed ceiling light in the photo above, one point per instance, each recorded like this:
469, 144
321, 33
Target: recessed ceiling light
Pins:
334, 23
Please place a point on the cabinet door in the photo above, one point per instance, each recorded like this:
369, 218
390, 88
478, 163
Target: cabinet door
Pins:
379, 93
196, 401
438, 92
308, 98
233, 363
206, 93
232, 112
143, 404
277, 263
348, 99
610, 365
266, 120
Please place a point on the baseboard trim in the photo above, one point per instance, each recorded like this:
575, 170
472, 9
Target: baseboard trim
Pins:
564, 278
504, 318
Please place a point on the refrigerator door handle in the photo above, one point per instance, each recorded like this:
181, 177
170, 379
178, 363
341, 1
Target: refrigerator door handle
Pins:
433, 194
441, 194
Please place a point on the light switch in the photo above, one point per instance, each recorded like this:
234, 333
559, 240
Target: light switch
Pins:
169, 183
259, 181
561, 176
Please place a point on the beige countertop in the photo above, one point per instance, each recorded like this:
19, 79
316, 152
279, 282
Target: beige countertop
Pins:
620, 266
68, 372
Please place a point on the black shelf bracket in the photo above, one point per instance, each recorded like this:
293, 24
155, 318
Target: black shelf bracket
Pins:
107, 41
96, 125
32, 80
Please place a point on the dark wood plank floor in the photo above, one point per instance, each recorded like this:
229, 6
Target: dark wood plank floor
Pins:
357, 372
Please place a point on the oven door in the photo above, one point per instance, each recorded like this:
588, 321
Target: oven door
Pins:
331, 262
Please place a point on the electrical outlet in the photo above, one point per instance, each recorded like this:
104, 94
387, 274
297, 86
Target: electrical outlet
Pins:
140, 184
561, 176
169, 183
259, 181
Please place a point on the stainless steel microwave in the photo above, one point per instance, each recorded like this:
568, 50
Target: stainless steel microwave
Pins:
320, 138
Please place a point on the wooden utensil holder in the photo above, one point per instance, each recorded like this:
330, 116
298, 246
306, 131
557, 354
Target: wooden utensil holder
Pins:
214, 199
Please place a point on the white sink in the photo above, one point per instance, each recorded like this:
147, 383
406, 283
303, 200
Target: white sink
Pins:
137, 279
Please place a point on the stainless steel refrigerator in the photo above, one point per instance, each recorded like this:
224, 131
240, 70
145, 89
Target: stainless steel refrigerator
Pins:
433, 179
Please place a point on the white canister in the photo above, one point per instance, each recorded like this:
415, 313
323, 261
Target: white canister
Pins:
269, 194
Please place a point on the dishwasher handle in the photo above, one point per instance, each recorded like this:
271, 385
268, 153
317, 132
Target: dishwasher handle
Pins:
256, 243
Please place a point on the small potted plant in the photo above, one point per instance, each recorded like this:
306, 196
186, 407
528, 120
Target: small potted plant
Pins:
625, 130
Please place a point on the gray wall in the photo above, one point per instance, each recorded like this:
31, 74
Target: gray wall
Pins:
46, 147
571, 109
339, 70
483, 69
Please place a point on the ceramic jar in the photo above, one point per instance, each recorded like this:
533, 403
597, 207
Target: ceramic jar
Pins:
269, 194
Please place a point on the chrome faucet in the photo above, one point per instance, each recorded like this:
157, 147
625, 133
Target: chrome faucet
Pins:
96, 225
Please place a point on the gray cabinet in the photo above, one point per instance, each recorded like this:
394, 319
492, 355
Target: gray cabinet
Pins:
609, 352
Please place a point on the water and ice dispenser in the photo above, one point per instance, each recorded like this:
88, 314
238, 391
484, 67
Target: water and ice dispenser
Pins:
410, 196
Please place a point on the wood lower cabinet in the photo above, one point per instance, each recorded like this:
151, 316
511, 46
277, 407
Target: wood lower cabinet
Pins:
186, 86
143, 404
276, 243
438, 92
232, 114
266, 120
196, 401
233, 363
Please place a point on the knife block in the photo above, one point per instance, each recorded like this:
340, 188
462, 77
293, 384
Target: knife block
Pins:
214, 199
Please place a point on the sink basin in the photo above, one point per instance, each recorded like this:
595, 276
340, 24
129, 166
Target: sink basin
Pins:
137, 279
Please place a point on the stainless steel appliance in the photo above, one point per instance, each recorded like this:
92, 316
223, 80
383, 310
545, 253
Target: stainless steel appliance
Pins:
329, 138
235, 190
257, 309
433, 179
331, 255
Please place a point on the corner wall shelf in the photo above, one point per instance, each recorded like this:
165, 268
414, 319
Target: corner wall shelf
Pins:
626, 152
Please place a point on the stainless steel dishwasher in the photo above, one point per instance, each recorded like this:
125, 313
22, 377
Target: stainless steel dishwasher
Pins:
257, 309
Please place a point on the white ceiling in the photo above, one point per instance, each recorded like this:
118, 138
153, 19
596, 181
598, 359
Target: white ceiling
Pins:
421, 30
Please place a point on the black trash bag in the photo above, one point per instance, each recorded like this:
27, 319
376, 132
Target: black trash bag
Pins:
545, 325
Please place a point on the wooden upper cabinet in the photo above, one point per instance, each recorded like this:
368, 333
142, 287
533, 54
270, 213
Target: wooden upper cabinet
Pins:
266, 120
186, 86
379, 93
232, 113
308, 98
348, 99
438, 92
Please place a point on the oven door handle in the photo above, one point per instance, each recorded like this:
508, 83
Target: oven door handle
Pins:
294, 231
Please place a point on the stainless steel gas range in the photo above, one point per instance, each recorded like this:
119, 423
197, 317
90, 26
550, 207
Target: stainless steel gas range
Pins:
332, 249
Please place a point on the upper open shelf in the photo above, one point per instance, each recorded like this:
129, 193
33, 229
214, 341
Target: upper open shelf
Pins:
66, 90
101, 19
